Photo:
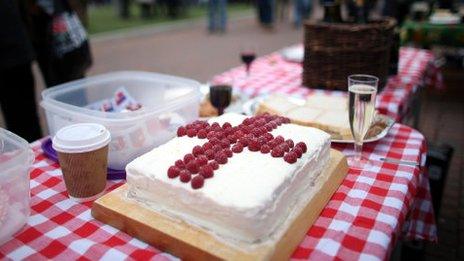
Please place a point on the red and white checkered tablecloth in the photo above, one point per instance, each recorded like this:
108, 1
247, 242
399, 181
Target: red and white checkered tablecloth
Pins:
273, 74
363, 219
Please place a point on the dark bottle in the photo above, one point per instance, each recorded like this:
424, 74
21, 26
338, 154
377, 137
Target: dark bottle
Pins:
332, 11
394, 53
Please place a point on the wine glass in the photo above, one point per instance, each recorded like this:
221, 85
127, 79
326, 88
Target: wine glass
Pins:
247, 55
362, 90
220, 96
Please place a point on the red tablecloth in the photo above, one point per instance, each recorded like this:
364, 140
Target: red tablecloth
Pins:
363, 219
271, 73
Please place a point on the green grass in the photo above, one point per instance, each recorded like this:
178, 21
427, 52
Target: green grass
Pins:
105, 19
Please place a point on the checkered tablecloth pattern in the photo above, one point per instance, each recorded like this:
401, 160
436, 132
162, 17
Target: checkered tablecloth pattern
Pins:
363, 219
273, 74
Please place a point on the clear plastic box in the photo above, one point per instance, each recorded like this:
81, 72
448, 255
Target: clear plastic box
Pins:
167, 103
16, 158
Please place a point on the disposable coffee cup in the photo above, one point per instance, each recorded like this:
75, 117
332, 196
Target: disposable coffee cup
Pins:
83, 155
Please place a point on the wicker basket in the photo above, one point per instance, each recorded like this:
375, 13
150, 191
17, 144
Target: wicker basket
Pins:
335, 51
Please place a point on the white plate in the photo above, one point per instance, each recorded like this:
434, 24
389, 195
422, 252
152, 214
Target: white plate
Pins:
445, 19
293, 54
250, 107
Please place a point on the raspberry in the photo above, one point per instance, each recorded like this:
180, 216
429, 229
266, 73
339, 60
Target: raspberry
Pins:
202, 134
262, 141
265, 149
290, 157
239, 134
213, 165
225, 143
260, 122
268, 136
210, 154
215, 125
210, 135
244, 141
302, 146
217, 148
256, 132
268, 127
189, 126
207, 171
232, 138
279, 139
247, 121
254, 145
220, 135
245, 129
192, 166
180, 164
207, 146
191, 133
197, 150
188, 157
202, 160
173, 172
226, 125
298, 151
290, 143
277, 152
284, 146
221, 158
228, 131
181, 131
197, 182
214, 141
185, 176
273, 124
237, 148
228, 153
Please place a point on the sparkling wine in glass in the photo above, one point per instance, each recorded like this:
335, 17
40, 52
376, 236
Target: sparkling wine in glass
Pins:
362, 93
248, 56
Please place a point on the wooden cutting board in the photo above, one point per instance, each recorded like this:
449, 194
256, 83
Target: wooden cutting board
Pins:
191, 242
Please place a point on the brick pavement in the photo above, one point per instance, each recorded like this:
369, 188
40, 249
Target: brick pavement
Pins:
442, 120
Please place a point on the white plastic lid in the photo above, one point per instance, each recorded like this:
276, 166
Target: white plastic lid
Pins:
81, 137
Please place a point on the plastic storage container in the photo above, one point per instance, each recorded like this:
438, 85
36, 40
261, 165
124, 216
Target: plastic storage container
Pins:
16, 158
167, 103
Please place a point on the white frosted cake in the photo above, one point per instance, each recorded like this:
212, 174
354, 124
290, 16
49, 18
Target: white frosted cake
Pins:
243, 185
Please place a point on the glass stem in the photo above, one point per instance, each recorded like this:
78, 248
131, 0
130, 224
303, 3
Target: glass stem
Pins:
358, 150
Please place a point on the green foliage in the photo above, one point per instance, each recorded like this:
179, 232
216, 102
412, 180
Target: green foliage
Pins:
104, 18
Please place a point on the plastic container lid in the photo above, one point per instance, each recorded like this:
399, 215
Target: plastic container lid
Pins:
81, 137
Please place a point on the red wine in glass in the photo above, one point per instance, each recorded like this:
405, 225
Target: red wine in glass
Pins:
220, 97
247, 58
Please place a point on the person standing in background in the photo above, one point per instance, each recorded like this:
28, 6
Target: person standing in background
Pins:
59, 40
302, 11
217, 16
266, 12
17, 98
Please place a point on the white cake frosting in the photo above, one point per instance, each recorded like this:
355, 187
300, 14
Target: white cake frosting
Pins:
247, 200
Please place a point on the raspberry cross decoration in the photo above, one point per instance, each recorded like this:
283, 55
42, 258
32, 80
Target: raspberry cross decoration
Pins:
224, 141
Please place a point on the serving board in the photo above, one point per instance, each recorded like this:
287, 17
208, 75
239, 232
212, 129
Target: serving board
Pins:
191, 242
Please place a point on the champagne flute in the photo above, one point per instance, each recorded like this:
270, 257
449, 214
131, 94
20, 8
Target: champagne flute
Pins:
361, 105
